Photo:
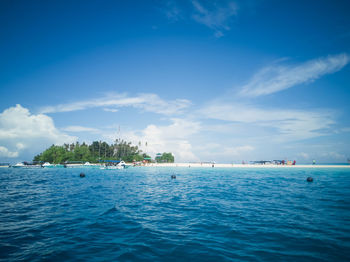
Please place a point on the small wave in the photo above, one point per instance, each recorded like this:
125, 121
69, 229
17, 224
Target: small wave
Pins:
109, 211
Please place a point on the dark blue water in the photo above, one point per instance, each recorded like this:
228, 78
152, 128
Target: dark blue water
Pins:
203, 215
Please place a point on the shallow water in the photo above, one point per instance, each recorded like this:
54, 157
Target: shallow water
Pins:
203, 215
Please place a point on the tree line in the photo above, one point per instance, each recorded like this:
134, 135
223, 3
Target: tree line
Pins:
165, 158
93, 153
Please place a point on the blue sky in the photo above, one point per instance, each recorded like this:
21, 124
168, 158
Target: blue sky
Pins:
206, 80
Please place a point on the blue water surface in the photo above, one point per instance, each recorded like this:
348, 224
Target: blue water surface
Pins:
205, 214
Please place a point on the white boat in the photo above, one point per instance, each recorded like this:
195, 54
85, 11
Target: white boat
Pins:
112, 167
89, 165
120, 165
19, 165
47, 164
25, 165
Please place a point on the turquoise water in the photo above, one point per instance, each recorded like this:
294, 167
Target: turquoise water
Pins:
202, 215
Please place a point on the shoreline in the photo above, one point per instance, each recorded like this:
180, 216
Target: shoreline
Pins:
198, 165
208, 165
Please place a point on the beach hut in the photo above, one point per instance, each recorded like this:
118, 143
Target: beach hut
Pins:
158, 157
147, 159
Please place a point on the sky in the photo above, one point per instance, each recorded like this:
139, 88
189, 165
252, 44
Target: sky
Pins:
222, 81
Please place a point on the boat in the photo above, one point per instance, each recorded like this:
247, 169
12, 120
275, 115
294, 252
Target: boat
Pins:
26, 165
59, 166
47, 164
89, 165
19, 165
120, 165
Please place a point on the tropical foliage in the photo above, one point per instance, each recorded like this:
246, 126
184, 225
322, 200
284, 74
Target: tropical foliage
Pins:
120, 150
165, 158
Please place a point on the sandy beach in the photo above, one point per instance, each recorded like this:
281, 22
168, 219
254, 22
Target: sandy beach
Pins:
209, 165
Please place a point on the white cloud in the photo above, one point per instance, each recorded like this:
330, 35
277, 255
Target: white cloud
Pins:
304, 155
172, 10
4, 152
240, 149
333, 156
147, 102
345, 130
113, 110
275, 78
288, 124
217, 151
20, 146
216, 15
80, 129
23, 134
174, 138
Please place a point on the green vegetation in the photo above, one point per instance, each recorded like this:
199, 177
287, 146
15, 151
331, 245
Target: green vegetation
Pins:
165, 158
120, 150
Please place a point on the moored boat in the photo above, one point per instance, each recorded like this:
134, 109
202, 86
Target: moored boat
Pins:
47, 164
120, 165
25, 165
19, 165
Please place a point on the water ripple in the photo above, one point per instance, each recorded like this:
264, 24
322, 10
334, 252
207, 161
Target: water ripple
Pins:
203, 215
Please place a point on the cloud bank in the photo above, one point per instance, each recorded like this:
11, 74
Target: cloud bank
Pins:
23, 134
173, 138
4, 152
286, 124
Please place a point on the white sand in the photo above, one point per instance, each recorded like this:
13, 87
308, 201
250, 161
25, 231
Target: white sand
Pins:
208, 165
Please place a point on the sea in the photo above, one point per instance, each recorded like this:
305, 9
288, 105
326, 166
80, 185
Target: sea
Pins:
205, 214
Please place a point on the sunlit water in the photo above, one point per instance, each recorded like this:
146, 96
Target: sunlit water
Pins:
207, 214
